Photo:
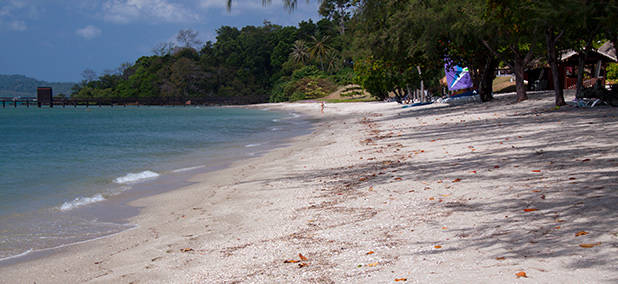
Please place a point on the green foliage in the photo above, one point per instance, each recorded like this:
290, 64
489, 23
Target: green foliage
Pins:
612, 72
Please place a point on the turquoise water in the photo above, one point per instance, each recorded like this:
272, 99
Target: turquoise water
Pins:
56, 163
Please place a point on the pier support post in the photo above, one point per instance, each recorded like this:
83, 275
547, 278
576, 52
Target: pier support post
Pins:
3, 104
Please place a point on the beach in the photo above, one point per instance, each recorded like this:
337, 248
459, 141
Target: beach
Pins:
492, 192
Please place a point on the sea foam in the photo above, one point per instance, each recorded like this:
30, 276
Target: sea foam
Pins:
187, 169
81, 201
136, 177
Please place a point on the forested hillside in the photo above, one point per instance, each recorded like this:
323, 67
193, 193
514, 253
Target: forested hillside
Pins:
20, 85
252, 64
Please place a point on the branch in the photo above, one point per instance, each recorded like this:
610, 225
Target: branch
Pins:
495, 53
528, 57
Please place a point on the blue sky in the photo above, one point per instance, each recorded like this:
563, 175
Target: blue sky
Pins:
55, 40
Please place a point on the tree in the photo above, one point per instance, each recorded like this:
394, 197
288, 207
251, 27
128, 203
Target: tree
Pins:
300, 52
516, 37
319, 49
553, 17
163, 48
188, 37
89, 75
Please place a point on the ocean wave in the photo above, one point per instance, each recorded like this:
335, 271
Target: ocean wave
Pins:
187, 169
81, 201
276, 120
252, 145
275, 129
136, 177
17, 255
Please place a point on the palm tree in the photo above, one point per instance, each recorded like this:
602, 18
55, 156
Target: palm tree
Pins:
320, 49
333, 60
299, 53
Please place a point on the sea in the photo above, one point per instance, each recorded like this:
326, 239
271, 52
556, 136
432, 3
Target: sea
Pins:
66, 174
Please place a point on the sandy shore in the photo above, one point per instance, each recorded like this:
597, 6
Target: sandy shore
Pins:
435, 194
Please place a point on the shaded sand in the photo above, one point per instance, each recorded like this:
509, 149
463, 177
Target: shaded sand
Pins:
436, 193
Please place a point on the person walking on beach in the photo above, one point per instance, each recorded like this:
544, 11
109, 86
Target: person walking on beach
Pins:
322, 107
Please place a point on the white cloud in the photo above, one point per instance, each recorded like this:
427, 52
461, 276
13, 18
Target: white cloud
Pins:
13, 11
18, 26
88, 32
213, 4
125, 11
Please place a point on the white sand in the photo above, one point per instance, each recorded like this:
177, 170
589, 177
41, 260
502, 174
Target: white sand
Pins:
436, 193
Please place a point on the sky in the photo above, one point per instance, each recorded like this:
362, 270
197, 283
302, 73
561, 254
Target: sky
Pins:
55, 40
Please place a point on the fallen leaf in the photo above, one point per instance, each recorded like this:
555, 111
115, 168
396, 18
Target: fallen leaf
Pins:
186, 250
457, 180
581, 233
371, 252
443, 228
572, 178
530, 209
302, 257
437, 247
301, 265
291, 261
586, 160
474, 172
557, 227
397, 178
589, 245
536, 190
521, 274
496, 167
500, 258
401, 279
373, 264
431, 198
536, 171
362, 179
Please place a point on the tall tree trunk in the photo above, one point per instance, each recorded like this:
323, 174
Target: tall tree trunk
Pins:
580, 73
422, 84
552, 57
518, 68
487, 76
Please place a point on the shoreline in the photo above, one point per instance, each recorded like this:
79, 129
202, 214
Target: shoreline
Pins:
377, 193
178, 176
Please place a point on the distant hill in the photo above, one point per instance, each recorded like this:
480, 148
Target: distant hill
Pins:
22, 86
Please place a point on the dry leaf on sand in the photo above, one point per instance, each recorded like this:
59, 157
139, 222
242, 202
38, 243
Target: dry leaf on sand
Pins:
291, 261
401, 279
373, 264
581, 233
589, 245
530, 209
521, 274
302, 257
